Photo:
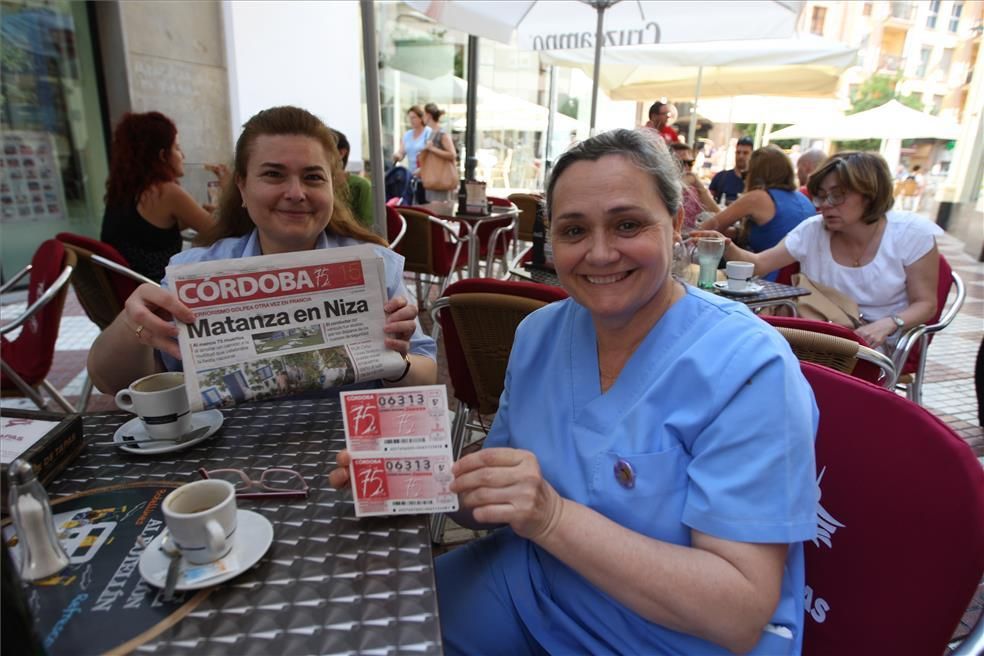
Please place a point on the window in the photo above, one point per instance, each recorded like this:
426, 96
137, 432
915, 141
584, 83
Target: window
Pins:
816, 22
934, 12
946, 60
937, 105
866, 9
924, 54
955, 12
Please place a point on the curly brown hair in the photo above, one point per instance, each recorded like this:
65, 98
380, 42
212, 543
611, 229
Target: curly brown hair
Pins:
234, 220
135, 156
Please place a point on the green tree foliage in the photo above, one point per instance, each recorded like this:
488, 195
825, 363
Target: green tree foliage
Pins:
875, 92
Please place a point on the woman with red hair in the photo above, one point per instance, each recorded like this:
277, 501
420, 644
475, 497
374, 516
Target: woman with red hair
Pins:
146, 209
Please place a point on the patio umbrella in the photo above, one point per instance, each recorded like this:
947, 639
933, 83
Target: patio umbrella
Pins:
548, 25
893, 120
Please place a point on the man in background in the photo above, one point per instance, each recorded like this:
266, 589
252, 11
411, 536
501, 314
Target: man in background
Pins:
730, 183
360, 190
659, 116
807, 164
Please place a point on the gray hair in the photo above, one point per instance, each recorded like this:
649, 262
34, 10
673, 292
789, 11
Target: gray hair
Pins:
644, 148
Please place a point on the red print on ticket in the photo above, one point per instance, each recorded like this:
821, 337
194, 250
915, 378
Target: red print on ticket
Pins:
402, 485
396, 420
400, 443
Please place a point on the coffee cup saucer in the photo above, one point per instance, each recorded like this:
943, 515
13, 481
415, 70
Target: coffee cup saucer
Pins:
129, 435
253, 537
751, 288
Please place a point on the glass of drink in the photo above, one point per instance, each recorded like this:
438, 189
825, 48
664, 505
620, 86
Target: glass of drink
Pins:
709, 253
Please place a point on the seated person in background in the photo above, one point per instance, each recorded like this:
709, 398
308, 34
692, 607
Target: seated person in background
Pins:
659, 117
771, 202
650, 489
286, 169
887, 261
359, 198
730, 183
146, 208
696, 199
806, 165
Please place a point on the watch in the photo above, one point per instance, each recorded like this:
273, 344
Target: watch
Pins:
899, 323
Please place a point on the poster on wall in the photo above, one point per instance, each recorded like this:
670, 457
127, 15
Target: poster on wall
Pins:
30, 180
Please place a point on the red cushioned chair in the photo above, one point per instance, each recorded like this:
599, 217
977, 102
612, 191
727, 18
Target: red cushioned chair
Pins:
102, 280
432, 249
26, 359
860, 361
900, 546
396, 226
910, 352
478, 319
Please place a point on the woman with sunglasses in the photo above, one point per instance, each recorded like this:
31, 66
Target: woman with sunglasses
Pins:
886, 260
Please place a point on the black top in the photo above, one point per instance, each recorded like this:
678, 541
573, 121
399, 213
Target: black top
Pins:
146, 247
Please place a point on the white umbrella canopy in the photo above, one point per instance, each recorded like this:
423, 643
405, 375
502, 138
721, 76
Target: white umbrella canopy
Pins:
546, 25
804, 66
893, 120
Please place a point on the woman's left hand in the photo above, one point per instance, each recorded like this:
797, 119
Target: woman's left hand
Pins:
876, 332
506, 486
401, 322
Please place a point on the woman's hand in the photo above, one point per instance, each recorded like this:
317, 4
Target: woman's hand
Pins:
401, 322
506, 486
149, 312
220, 171
338, 478
876, 332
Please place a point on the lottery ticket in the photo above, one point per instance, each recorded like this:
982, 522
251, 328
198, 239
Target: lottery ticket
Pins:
400, 441
396, 420
402, 485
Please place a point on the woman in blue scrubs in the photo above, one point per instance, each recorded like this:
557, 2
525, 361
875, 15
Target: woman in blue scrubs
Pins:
651, 464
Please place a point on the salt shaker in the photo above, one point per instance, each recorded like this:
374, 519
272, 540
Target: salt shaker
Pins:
41, 554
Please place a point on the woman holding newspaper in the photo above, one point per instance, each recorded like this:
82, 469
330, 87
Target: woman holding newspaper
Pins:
651, 489
286, 171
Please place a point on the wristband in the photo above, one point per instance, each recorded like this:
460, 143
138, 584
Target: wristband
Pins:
406, 370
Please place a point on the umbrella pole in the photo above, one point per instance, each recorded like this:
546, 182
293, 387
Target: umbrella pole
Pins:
551, 113
692, 131
599, 41
371, 65
471, 108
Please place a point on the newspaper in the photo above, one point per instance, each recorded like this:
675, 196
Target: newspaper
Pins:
276, 325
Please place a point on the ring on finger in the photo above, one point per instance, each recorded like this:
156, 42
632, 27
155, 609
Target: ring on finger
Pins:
139, 330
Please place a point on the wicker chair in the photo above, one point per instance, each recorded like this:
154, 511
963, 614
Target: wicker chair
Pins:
102, 281
528, 205
839, 353
478, 318
432, 250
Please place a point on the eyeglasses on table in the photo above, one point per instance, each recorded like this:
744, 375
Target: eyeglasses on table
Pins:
273, 482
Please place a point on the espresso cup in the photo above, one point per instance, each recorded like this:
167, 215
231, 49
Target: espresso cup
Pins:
739, 273
201, 517
161, 403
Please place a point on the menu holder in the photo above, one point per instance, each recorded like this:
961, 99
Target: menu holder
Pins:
476, 202
49, 441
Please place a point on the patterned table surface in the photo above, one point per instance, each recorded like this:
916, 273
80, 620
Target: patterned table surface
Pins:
330, 583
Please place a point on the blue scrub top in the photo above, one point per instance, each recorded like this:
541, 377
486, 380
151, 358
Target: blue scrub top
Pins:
717, 422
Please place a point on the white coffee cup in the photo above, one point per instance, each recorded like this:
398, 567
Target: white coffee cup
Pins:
161, 403
739, 273
201, 517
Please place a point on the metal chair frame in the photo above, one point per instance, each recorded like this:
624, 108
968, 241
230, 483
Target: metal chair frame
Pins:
424, 279
57, 289
919, 336
838, 353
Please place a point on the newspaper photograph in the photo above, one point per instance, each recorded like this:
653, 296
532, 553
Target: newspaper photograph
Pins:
278, 325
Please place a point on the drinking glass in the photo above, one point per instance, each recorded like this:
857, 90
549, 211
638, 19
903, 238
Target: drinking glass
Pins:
709, 253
